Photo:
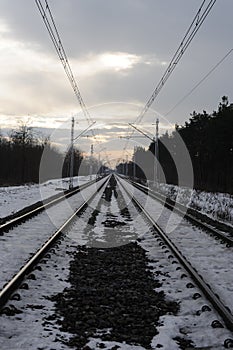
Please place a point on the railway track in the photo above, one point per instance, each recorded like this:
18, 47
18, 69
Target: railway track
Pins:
35, 232
109, 252
206, 289
34, 209
224, 233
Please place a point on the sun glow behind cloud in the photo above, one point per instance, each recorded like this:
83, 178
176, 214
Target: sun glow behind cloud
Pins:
34, 88
119, 60
115, 62
33, 82
94, 64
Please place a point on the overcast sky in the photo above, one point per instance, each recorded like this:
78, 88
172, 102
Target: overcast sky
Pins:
118, 51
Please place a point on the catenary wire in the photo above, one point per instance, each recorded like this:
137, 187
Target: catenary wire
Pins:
199, 83
196, 23
189, 35
56, 39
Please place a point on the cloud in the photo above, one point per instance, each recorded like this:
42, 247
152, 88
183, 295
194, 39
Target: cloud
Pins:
112, 62
34, 82
118, 52
119, 60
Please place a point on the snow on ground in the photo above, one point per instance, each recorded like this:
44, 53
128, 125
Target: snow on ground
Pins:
14, 198
30, 235
191, 320
212, 259
28, 330
218, 206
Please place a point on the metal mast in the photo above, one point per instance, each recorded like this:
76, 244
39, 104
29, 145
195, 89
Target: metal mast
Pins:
91, 161
156, 151
71, 182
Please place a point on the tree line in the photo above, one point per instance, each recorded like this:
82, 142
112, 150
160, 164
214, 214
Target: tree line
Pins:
21, 153
209, 141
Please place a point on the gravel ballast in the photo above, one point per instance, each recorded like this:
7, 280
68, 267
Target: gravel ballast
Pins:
112, 295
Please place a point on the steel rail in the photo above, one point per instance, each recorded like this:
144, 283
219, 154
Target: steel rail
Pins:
207, 291
173, 206
48, 203
14, 283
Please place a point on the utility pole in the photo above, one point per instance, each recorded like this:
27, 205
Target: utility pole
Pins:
156, 140
71, 181
72, 140
99, 166
91, 161
123, 168
126, 168
99, 162
134, 164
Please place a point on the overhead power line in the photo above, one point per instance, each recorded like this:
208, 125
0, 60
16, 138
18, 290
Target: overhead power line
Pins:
200, 82
197, 21
55, 37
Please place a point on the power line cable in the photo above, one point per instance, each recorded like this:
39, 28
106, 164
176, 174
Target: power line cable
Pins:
195, 25
56, 39
199, 83
189, 35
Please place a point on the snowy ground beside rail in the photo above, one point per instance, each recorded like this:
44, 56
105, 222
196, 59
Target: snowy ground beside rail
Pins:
14, 198
216, 205
27, 331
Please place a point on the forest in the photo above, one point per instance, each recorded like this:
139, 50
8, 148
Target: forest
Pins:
20, 157
209, 141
